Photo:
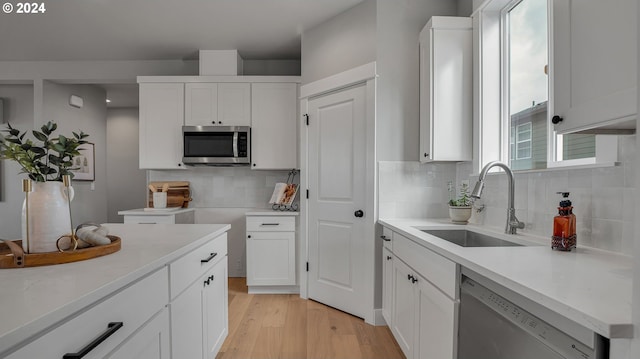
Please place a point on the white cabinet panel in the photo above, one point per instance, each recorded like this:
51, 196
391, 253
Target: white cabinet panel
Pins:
446, 89
404, 308
271, 258
594, 64
150, 342
161, 120
234, 104
223, 104
438, 332
387, 284
215, 310
274, 125
201, 104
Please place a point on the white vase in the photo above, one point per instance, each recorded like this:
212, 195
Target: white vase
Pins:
49, 216
460, 215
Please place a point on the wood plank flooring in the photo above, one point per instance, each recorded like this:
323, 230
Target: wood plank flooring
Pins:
286, 326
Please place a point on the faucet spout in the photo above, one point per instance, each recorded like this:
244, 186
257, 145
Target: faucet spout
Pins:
512, 221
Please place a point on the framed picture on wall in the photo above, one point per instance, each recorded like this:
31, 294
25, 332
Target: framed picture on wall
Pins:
84, 165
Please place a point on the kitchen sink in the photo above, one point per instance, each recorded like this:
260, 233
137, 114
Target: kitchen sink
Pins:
465, 238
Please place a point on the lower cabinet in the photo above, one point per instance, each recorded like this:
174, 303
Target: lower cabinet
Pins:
387, 286
150, 342
423, 319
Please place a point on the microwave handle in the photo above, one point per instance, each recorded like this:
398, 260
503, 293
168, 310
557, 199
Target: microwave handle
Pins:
235, 144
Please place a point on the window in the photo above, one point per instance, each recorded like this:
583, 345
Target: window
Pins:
514, 90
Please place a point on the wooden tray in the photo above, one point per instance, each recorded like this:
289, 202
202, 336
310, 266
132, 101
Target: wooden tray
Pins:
12, 255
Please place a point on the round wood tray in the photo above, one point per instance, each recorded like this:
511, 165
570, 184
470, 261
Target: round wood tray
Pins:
12, 255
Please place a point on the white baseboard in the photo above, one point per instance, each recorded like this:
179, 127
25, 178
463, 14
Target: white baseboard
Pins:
274, 289
378, 317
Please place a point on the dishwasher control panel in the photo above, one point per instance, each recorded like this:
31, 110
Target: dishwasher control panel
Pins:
558, 341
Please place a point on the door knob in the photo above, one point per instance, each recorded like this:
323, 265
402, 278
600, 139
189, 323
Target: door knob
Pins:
556, 119
358, 213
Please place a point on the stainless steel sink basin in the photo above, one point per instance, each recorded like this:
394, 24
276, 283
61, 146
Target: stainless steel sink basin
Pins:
465, 238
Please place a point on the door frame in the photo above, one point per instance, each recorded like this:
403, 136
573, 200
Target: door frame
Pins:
366, 75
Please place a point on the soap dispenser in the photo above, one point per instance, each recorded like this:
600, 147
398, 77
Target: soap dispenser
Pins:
564, 226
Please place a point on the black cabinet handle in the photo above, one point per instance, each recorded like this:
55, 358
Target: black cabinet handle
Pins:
270, 224
556, 119
384, 238
409, 276
414, 279
389, 258
213, 255
359, 213
426, 155
111, 328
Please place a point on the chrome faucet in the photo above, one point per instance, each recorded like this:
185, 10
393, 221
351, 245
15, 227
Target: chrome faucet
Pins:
512, 222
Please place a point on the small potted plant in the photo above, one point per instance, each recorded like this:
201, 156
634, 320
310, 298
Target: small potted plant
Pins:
460, 208
45, 160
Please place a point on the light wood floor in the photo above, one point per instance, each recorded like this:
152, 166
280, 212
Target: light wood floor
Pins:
286, 326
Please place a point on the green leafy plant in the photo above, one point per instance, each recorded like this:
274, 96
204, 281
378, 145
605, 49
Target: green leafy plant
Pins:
463, 198
48, 160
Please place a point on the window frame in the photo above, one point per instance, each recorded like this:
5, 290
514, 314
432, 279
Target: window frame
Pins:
491, 94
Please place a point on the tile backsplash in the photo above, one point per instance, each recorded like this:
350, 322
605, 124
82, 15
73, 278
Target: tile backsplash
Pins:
603, 198
226, 187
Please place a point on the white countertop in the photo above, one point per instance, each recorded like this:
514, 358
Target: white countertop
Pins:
589, 286
33, 299
267, 212
154, 211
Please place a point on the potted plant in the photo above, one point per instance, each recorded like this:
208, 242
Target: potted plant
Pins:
460, 208
45, 160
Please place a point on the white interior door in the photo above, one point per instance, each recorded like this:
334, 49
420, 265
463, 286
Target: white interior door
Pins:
336, 162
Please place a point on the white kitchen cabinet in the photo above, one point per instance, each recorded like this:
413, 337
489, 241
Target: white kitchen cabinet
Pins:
150, 342
594, 64
446, 89
271, 257
424, 299
115, 320
274, 126
161, 119
140, 216
387, 284
224, 104
215, 309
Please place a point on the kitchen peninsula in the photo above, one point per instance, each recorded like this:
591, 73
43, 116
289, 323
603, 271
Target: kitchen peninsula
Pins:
126, 298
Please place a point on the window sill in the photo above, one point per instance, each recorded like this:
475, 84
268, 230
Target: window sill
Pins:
571, 167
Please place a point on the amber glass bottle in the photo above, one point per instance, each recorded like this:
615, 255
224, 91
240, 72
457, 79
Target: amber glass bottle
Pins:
564, 226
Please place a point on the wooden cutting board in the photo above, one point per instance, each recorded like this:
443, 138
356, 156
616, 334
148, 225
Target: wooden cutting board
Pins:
178, 194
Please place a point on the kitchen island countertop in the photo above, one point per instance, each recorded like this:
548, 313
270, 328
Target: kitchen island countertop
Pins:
34, 299
588, 286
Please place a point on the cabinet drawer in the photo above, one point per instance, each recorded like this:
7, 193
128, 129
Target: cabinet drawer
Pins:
195, 263
387, 238
437, 269
149, 219
132, 306
271, 223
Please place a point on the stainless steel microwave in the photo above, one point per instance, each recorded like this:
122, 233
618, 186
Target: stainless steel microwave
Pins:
217, 145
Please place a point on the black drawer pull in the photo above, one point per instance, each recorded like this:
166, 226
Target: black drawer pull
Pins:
111, 328
213, 255
384, 238
270, 224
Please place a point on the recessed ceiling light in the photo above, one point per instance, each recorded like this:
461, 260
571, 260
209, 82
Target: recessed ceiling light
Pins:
108, 100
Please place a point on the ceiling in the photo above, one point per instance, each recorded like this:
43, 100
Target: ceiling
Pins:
85, 30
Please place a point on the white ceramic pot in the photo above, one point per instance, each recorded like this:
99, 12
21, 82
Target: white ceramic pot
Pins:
49, 216
460, 215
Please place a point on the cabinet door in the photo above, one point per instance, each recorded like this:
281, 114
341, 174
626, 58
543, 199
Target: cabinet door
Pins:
201, 104
275, 132
594, 62
387, 284
404, 308
446, 89
234, 104
161, 119
438, 317
186, 322
271, 258
150, 342
215, 310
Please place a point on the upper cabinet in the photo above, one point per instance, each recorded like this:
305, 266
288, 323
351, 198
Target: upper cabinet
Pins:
274, 126
161, 120
594, 65
224, 104
446, 89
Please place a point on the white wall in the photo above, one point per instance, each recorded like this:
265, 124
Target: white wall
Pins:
18, 111
126, 183
398, 26
341, 43
89, 204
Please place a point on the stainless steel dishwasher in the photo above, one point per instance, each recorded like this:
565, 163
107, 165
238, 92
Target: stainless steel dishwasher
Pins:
493, 327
